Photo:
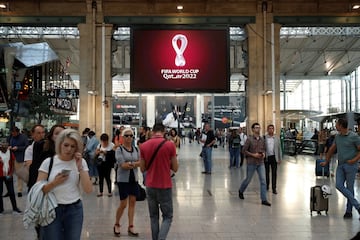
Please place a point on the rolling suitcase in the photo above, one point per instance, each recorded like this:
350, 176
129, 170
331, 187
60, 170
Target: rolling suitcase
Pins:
319, 168
318, 199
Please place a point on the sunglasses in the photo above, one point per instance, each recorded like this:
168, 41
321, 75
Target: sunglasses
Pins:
128, 135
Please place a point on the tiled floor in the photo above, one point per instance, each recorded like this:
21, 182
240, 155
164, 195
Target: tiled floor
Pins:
208, 207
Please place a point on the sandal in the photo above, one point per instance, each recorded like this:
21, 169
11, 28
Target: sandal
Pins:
131, 233
115, 232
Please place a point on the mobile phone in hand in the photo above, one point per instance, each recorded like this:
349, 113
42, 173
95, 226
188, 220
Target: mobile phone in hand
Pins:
65, 172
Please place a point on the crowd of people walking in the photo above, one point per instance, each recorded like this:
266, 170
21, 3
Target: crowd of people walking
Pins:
62, 163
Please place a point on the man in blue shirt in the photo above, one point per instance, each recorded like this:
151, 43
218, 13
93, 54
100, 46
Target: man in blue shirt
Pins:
347, 144
17, 144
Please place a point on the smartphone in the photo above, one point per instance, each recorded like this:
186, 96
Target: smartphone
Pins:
65, 172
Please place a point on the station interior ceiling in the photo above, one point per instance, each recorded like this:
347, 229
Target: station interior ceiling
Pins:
306, 53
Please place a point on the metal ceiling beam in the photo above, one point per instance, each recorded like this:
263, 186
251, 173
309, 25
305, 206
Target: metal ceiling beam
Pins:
317, 56
302, 78
155, 20
298, 49
344, 52
351, 67
313, 21
42, 21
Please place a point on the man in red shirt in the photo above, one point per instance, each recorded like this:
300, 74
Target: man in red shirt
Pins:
158, 180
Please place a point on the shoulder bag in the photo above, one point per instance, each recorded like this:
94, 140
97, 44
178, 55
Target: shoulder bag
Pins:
23, 173
154, 154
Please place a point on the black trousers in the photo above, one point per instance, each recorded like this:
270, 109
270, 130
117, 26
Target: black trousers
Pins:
241, 156
271, 163
9, 182
104, 173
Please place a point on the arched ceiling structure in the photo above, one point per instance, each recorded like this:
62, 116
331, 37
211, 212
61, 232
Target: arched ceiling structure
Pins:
320, 38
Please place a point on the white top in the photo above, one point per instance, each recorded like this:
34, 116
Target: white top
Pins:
243, 139
69, 191
109, 147
203, 138
28, 155
270, 145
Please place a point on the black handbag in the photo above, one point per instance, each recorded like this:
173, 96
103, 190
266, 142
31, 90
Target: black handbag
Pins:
110, 158
142, 193
99, 160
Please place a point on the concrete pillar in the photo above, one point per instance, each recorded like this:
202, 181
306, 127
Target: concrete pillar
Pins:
263, 85
150, 110
9, 57
200, 108
95, 72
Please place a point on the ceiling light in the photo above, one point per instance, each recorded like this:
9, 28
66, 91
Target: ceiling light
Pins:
3, 5
179, 7
356, 6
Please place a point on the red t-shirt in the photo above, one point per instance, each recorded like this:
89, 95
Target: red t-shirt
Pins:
158, 175
118, 140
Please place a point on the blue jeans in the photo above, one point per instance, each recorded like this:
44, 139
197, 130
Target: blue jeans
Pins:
206, 155
67, 224
93, 171
250, 170
346, 173
234, 157
162, 198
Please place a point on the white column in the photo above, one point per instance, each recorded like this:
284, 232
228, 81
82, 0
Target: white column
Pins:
199, 109
150, 110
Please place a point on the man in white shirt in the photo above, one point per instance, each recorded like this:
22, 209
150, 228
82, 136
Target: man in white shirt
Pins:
37, 134
273, 157
243, 138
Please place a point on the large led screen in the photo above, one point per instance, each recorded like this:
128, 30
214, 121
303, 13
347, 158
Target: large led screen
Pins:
180, 60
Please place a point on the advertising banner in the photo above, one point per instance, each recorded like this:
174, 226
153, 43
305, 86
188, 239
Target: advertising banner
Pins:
126, 111
176, 112
180, 60
229, 110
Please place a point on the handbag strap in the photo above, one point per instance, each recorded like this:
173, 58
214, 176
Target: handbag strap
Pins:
154, 154
50, 166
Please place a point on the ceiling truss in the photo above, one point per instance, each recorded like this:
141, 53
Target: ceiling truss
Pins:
305, 52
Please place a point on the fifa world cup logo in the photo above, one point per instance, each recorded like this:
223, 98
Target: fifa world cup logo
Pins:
179, 59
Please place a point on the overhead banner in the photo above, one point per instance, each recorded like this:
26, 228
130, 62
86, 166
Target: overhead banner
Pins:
180, 60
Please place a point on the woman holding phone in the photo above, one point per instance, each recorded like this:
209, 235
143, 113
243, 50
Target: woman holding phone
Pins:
105, 154
127, 157
68, 173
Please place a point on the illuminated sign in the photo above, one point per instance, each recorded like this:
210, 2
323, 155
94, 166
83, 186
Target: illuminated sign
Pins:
165, 60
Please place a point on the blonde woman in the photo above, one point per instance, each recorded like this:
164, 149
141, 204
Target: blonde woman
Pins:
127, 157
69, 173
